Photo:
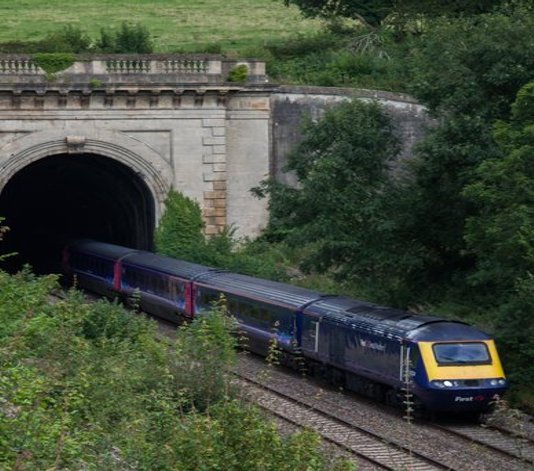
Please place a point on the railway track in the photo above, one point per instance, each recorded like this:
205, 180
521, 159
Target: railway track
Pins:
344, 434
427, 444
503, 441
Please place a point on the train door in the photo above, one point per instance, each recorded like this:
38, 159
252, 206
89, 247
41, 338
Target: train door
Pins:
312, 337
410, 359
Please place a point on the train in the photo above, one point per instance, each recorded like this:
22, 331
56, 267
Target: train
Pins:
385, 353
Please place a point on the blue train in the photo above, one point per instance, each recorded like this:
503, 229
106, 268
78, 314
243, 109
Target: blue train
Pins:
367, 348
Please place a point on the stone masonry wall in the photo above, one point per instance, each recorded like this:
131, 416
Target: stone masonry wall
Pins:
290, 105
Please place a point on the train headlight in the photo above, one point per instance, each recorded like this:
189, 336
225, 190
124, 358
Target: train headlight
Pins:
497, 382
445, 383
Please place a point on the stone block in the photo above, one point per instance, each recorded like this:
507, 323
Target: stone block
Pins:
212, 230
220, 203
219, 186
217, 132
214, 194
219, 167
213, 122
214, 176
219, 149
214, 158
209, 212
214, 141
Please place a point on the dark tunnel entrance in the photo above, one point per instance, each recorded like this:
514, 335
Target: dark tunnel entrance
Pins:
66, 197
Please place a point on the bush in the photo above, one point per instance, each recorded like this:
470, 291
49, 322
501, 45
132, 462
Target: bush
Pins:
54, 61
130, 38
180, 235
69, 39
238, 74
88, 386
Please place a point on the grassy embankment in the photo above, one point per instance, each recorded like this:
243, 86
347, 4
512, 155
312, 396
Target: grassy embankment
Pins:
176, 25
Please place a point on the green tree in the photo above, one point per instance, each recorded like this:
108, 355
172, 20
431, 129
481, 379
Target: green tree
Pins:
133, 38
374, 12
501, 234
346, 202
468, 73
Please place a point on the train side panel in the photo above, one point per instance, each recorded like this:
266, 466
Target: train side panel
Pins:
160, 294
93, 265
353, 351
259, 321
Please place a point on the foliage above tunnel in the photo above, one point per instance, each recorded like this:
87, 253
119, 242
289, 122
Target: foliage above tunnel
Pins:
374, 12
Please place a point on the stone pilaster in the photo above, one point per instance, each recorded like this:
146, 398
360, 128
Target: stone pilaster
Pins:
214, 174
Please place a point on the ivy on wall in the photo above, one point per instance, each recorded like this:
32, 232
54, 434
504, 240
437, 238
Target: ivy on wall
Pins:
53, 62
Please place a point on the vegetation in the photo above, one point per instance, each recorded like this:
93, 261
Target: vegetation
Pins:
180, 235
347, 201
175, 26
54, 62
88, 386
132, 39
375, 12
238, 74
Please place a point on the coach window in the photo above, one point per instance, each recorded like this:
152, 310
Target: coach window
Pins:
232, 304
205, 299
176, 289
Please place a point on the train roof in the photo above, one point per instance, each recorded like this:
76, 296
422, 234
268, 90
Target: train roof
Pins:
260, 289
389, 322
100, 248
171, 266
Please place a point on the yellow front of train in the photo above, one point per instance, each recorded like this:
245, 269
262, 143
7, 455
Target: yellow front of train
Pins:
463, 375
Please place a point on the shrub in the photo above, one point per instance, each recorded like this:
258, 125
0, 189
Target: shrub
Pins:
130, 38
238, 74
54, 61
88, 386
180, 235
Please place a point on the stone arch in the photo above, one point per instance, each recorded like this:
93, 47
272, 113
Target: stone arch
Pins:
140, 157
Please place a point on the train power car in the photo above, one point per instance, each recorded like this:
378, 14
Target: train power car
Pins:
378, 351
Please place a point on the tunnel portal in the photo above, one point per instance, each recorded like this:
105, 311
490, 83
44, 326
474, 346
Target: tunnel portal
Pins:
65, 197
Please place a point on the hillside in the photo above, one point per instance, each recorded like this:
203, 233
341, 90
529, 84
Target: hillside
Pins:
176, 25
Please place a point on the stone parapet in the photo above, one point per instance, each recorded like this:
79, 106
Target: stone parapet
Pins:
97, 70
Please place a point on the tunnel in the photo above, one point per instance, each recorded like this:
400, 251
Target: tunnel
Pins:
66, 197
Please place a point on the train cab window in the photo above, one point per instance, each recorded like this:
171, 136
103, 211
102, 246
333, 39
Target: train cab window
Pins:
464, 353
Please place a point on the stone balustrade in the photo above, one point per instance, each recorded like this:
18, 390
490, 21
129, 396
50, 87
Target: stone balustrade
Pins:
125, 68
18, 66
